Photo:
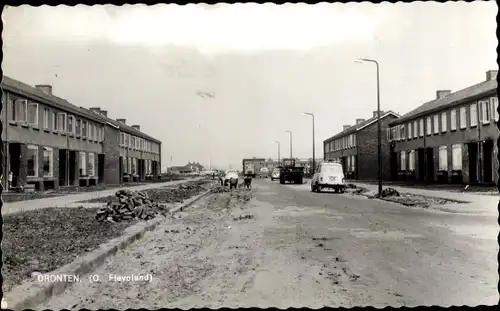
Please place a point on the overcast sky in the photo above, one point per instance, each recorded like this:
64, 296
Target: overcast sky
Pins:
264, 64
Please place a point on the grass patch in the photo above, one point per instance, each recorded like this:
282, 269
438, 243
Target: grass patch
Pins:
47, 239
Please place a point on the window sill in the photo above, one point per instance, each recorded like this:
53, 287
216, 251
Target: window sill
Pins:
473, 126
486, 123
24, 125
46, 130
13, 123
453, 130
463, 128
35, 128
84, 138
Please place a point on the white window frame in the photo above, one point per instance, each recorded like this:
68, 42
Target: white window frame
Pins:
24, 104
403, 132
436, 123
84, 129
35, 148
82, 165
463, 118
91, 164
415, 129
353, 163
409, 131
72, 130
411, 160
62, 128
402, 156
32, 104
453, 120
429, 126
494, 108
46, 118
485, 109
444, 122
456, 152
443, 161
388, 133
421, 127
89, 131
51, 161
473, 115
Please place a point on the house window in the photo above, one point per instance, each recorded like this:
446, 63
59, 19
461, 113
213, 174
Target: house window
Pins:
46, 118
90, 132
84, 129
485, 111
456, 157
411, 160
463, 117
429, 126
453, 119
421, 127
150, 168
443, 122
94, 132
78, 127
129, 165
124, 165
354, 140
443, 158
33, 114
403, 160
494, 108
388, 133
21, 110
436, 124
125, 140
349, 164
473, 115
32, 161
409, 130
353, 163
48, 161
91, 164
402, 132
129, 140
83, 164
122, 139
71, 124
61, 121
134, 166
415, 129
54, 121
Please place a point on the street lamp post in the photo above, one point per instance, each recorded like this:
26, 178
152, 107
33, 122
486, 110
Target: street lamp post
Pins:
379, 126
314, 152
290, 132
278, 143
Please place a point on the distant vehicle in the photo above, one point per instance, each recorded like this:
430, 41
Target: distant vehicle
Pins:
249, 169
329, 175
251, 166
291, 173
264, 172
275, 174
230, 174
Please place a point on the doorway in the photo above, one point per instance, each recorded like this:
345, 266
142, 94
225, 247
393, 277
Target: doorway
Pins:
421, 164
72, 167
100, 168
15, 163
429, 163
63, 167
488, 161
394, 166
472, 148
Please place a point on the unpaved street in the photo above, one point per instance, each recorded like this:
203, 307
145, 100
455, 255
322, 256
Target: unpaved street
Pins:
295, 248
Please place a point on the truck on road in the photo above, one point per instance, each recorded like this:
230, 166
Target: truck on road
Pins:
291, 173
252, 166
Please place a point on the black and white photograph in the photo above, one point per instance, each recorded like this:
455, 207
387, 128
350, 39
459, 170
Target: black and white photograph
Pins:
250, 155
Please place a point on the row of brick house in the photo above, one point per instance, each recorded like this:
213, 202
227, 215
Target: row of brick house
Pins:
50, 143
450, 139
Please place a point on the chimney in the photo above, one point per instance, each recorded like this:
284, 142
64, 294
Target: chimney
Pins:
137, 127
375, 113
104, 113
491, 75
442, 93
346, 127
122, 121
47, 89
95, 109
358, 121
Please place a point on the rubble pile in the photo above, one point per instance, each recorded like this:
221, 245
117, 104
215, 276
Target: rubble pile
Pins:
130, 205
242, 217
388, 192
220, 189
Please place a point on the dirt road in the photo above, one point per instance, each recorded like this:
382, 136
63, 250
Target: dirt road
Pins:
280, 246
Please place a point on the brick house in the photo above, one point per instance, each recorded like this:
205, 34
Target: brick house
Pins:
451, 139
49, 142
356, 147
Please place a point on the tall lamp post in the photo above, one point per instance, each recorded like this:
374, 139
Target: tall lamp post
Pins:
314, 152
290, 132
278, 143
379, 126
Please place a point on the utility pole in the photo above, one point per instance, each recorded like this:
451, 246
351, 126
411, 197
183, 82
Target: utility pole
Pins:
290, 132
314, 151
278, 143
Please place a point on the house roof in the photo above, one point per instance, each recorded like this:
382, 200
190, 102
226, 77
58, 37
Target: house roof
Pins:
355, 128
468, 94
35, 94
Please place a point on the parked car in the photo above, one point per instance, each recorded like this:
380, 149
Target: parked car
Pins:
275, 174
329, 175
230, 174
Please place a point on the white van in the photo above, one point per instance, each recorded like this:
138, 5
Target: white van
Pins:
328, 175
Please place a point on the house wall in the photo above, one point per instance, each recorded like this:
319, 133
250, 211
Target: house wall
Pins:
111, 150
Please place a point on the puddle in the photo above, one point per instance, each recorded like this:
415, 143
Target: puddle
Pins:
383, 234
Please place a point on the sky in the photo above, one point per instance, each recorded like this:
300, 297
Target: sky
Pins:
264, 66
